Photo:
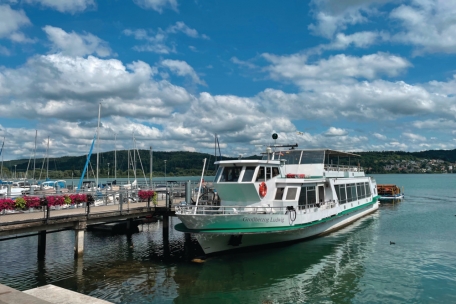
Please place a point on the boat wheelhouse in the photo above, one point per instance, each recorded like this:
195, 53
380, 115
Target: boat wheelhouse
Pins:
285, 196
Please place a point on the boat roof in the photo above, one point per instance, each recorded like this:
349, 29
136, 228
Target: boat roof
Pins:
247, 161
327, 152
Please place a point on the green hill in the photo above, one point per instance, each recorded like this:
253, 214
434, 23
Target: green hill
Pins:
182, 163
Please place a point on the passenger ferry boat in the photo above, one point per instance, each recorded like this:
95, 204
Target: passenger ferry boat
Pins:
286, 196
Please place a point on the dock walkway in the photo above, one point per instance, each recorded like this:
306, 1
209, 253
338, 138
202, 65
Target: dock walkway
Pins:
48, 294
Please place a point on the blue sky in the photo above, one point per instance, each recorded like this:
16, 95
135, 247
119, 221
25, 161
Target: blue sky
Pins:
355, 75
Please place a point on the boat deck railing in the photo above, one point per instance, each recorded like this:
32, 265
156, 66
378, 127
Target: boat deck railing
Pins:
343, 168
239, 210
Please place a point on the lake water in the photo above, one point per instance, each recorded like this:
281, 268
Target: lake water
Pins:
354, 265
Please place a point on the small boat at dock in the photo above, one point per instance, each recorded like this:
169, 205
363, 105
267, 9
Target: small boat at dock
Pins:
389, 192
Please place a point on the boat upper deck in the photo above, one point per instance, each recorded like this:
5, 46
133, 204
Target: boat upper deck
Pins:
296, 163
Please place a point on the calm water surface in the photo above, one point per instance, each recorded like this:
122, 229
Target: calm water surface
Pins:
354, 265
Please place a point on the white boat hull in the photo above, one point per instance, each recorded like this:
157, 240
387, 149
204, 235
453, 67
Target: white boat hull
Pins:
213, 242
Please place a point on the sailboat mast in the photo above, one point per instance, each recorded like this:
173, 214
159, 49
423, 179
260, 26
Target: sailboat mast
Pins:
115, 156
47, 166
128, 165
134, 155
151, 163
1, 150
98, 140
34, 155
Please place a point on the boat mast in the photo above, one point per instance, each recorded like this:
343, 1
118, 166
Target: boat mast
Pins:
1, 150
115, 156
128, 166
47, 166
34, 155
98, 140
133, 165
151, 163
86, 165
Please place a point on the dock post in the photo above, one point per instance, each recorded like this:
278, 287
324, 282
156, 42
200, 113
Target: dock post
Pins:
166, 235
8, 191
79, 228
41, 245
120, 201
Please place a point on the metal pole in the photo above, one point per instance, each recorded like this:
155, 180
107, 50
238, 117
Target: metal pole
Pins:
98, 140
150, 169
166, 187
34, 155
115, 156
199, 189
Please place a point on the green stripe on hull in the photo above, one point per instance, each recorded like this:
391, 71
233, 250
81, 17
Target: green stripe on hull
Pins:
181, 227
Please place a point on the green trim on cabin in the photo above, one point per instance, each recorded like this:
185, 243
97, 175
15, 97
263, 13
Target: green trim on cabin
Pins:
181, 227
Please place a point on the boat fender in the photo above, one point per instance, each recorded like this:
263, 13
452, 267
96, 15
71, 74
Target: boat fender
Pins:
263, 189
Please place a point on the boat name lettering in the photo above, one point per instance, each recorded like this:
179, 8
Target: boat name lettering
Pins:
263, 220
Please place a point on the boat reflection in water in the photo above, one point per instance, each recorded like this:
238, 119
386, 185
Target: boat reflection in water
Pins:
322, 269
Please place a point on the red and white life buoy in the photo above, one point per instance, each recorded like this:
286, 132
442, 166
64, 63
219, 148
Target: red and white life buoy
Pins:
263, 189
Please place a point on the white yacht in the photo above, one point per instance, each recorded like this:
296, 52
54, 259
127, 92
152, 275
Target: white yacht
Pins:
288, 195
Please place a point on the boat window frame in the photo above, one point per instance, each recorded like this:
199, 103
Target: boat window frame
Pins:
288, 192
280, 190
225, 174
244, 171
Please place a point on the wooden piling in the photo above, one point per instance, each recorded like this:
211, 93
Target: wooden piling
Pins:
41, 245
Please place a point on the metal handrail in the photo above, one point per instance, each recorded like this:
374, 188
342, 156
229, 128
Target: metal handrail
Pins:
240, 210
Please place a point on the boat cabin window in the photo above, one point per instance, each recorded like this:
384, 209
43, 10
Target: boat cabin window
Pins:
341, 193
248, 174
313, 157
279, 193
217, 175
307, 196
261, 177
351, 192
275, 171
230, 174
368, 189
266, 173
291, 193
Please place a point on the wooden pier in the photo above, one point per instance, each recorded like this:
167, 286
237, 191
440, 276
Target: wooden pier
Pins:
114, 206
40, 223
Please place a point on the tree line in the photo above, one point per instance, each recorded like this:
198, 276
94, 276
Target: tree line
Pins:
180, 163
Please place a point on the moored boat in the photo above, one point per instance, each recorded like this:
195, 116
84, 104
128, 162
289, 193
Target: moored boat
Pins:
286, 196
389, 192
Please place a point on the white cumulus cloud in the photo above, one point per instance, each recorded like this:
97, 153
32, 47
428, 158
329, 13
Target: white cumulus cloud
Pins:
11, 21
74, 44
335, 132
182, 68
157, 5
65, 6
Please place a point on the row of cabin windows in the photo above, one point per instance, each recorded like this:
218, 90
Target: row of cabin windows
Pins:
306, 196
352, 192
231, 174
